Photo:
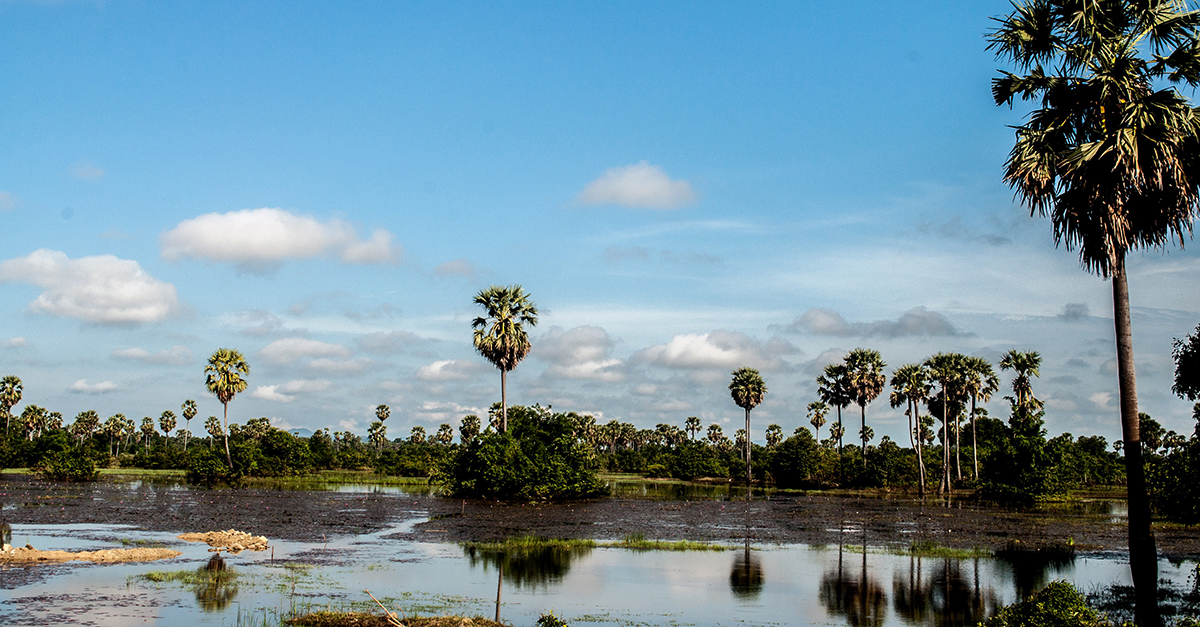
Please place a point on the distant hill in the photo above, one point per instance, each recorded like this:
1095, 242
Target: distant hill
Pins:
301, 433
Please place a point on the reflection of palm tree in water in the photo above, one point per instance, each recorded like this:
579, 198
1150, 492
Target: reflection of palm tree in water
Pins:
533, 568
860, 599
746, 577
946, 598
217, 586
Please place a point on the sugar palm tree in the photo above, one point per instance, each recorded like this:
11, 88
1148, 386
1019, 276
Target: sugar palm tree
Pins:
774, 435
980, 384
500, 334
225, 379
10, 395
1024, 365
747, 389
1111, 156
693, 426
910, 385
864, 368
833, 388
817, 410
1186, 353
189, 411
383, 412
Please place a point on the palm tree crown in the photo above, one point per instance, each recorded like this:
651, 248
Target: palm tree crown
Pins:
10, 395
747, 388
500, 334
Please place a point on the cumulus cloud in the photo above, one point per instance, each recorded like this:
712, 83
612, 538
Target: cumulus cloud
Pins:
1073, 312
258, 240
177, 355
718, 349
8, 202
86, 172
449, 370
826, 357
435, 412
289, 350
101, 289
83, 387
457, 267
285, 393
258, 322
917, 321
387, 343
15, 342
640, 185
580, 353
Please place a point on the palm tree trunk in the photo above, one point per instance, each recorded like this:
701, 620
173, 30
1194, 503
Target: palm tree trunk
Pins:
503, 418
912, 441
499, 586
1143, 555
863, 433
186, 430
839, 438
957, 447
228, 457
747, 454
944, 484
974, 441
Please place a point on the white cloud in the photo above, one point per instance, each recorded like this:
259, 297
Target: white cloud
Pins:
87, 172
449, 370
387, 343
101, 289
917, 321
8, 202
177, 355
341, 366
456, 267
580, 353
290, 350
437, 412
83, 387
285, 393
258, 240
718, 349
640, 185
15, 342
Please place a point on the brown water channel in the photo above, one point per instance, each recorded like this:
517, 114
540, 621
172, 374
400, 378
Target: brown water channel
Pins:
391, 543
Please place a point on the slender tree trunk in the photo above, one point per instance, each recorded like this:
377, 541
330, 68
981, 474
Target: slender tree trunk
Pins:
503, 418
186, 431
957, 447
840, 430
1143, 555
747, 454
974, 442
228, 457
863, 433
499, 587
944, 483
915, 439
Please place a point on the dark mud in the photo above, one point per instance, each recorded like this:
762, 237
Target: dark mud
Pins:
810, 519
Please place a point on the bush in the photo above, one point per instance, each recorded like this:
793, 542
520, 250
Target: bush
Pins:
693, 459
68, 466
538, 457
548, 619
207, 467
1057, 605
794, 460
657, 471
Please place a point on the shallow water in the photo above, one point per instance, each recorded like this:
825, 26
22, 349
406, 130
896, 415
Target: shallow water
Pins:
756, 585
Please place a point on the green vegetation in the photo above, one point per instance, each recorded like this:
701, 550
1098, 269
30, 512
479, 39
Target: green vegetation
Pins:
69, 465
537, 458
1057, 605
638, 542
500, 334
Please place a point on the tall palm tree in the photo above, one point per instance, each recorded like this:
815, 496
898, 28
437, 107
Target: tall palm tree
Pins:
1024, 365
865, 381
225, 379
910, 385
500, 334
817, 410
189, 411
10, 395
833, 388
383, 412
747, 389
980, 384
946, 370
1111, 156
693, 426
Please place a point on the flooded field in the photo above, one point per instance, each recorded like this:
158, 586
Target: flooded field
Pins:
401, 544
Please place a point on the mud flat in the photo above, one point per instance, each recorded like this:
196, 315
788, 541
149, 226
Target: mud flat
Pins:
30, 555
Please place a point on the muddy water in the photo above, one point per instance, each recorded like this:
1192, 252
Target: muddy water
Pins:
383, 539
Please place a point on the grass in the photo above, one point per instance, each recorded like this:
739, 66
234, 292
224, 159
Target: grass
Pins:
140, 472
924, 549
143, 544
636, 542
194, 577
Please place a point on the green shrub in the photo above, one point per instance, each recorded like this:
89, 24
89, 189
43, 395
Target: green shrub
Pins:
657, 471
68, 466
538, 458
548, 619
207, 467
794, 460
1057, 605
694, 459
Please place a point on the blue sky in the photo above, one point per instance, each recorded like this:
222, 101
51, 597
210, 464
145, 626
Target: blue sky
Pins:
684, 188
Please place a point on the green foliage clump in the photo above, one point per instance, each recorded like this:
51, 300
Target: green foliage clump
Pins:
537, 458
548, 619
694, 459
411, 460
206, 467
1057, 605
795, 460
68, 466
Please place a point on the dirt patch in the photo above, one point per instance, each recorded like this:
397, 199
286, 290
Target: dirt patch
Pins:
363, 619
28, 554
230, 540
